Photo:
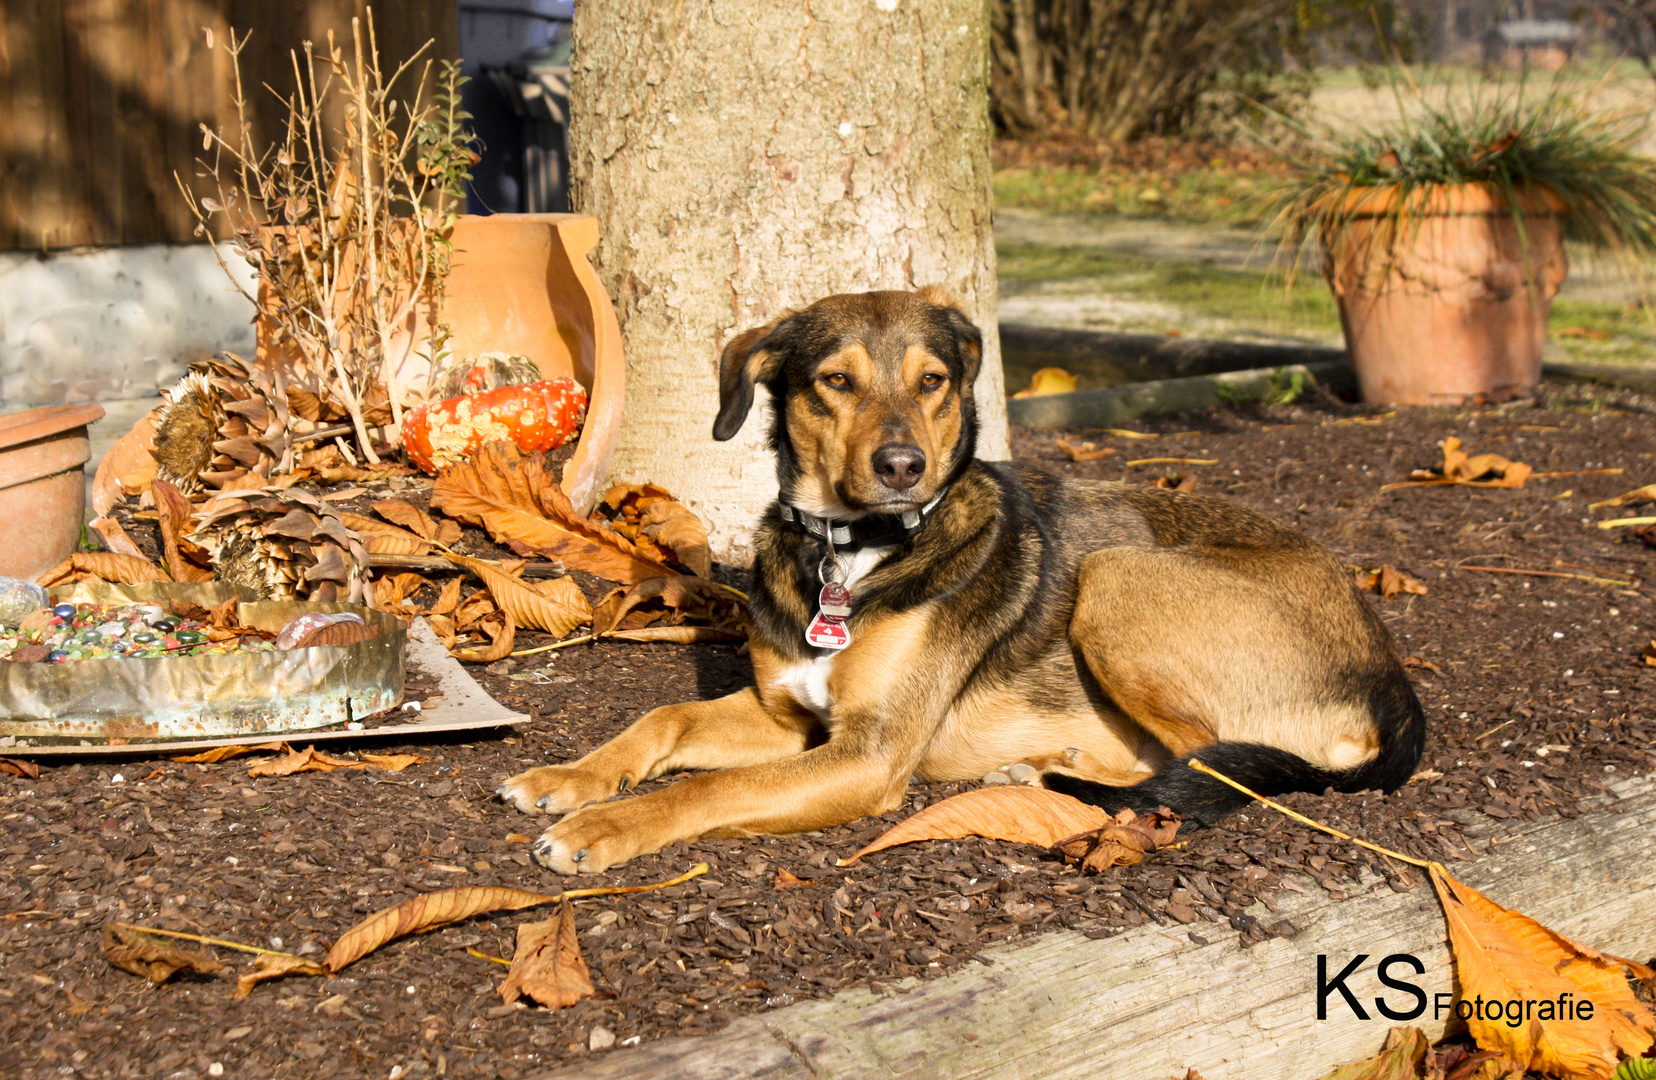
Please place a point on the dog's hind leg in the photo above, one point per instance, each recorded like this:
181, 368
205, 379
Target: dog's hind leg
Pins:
727, 733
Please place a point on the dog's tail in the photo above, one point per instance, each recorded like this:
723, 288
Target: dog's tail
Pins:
1268, 770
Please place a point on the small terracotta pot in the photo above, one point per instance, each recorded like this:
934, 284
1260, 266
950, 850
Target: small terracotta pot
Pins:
1444, 300
42, 486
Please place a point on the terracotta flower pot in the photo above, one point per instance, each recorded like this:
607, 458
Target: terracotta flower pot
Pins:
1444, 300
42, 486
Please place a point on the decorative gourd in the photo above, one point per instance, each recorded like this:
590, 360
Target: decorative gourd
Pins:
538, 417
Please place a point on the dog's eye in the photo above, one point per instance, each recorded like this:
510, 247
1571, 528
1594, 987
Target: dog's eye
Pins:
931, 380
837, 381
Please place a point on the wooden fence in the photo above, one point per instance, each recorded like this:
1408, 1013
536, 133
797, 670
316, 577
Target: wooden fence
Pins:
101, 101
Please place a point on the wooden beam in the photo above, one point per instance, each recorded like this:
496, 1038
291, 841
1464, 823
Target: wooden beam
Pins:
1151, 1002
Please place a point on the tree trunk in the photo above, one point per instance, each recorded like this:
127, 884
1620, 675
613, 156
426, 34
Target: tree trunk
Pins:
745, 157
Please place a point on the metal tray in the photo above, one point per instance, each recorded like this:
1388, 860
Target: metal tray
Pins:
191, 697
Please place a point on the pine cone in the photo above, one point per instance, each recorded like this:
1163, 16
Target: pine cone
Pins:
283, 544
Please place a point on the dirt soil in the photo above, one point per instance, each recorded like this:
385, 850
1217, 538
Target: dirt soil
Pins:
1534, 684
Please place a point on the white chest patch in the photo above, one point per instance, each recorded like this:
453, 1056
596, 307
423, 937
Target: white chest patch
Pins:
807, 680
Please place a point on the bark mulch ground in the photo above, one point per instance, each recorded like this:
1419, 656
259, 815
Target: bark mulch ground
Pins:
1534, 684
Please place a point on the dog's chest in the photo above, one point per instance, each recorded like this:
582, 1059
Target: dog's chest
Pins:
807, 680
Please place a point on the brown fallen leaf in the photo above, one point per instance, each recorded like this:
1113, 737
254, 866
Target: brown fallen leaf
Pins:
154, 958
1123, 842
28, 770
273, 966
338, 633
224, 753
548, 965
678, 635
1048, 380
1459, 467
1014, 812
785, 879
448, 598
663, 528
683, 597
1650, 653
522, 507
1388, 581
556, 605
1400, 1058
1502, 955
443, 627
1591, 332
103, 566
130, 455
1636, 497
1084, 451
309, 759
391, 762
1177, 482
382, 539
114, 537
176, 513
502, 633
429, 911
417, 521
1415, 663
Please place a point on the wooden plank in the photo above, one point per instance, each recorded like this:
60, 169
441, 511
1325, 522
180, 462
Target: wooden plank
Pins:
1152, 1003
8, 140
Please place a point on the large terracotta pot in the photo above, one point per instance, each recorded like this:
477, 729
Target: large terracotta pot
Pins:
1444, 300
42, 486
521, 283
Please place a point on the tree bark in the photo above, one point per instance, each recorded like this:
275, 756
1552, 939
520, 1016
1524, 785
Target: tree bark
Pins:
746, 157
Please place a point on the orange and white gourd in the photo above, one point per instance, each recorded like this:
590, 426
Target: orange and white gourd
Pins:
538, 417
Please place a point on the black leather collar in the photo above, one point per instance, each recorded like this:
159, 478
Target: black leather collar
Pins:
875, 530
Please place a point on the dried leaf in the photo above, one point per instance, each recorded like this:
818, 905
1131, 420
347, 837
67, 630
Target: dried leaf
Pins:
415, 520
103, 566
1650, 653
28, 770
1084, 451
1483, 470
556, 605
786, 880
224, 753
391, 762
1123, 842
1177, 482
683, 597
420, 914
447, 599
175, 513
273, 966
548, 965
339, 633
1389, 581
1049, 380
130, 455
677, 635
1502, 955
664, 528
156, 959
382, 539
523, 508
114, 537
1636, 497
1014, 812
309, 759
443, 627
1399, 1058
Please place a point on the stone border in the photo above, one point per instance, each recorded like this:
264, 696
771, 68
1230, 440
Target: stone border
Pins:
1151, 1002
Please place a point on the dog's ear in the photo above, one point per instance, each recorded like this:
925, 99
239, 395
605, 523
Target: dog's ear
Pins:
752, 357
968, 338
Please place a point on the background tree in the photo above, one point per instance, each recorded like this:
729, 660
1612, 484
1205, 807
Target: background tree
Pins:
1124, 69
744, 157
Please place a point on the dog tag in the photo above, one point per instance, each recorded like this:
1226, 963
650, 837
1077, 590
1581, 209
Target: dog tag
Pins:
827, 632
835, 600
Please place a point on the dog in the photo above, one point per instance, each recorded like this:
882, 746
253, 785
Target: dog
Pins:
1102, 632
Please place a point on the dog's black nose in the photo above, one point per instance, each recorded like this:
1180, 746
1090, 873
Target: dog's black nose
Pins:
899, 467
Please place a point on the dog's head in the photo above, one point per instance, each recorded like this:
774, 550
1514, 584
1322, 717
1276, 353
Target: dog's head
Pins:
873, 392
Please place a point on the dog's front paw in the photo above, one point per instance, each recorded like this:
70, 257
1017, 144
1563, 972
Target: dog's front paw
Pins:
554, 789
588, 842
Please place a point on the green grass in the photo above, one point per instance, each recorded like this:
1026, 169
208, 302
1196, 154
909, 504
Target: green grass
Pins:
1253, 301
1200, 197
1595, 332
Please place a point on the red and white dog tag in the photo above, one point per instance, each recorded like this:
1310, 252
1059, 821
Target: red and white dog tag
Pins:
827, 630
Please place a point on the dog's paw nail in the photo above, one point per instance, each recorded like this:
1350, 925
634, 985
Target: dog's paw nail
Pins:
501, 791
544, 801
1021, 772
996, 777
580, 856
1070, 754
540, 847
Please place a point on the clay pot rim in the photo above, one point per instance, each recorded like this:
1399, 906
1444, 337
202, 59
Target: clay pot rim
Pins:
1450, 200
33, 424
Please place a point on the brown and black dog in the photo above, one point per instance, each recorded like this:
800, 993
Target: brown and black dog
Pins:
1100, 631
